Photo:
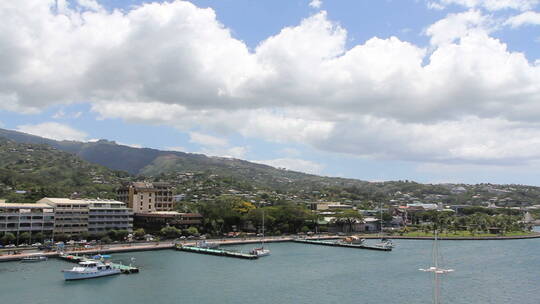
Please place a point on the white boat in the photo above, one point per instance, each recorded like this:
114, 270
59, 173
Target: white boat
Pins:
88, 270
385, 243
34, 258
436, 270
261, 251
205, 244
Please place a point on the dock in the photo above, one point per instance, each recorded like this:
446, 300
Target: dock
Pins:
218, 252
125, 269
335, 244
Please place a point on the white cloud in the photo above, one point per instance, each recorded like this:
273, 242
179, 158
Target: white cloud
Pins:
207, 140
61, 114
290, 152
456, 26
176, 148
229, 152
53, 130
526, 18
461, 100
294, 164
315, 3
491, 5
130, 145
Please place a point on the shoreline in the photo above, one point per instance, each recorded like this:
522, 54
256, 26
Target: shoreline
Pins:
134, 247
534, 235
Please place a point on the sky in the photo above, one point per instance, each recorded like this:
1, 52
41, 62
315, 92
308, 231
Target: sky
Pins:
433, 91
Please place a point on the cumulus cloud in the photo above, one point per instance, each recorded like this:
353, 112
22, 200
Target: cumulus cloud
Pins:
315, 3
229, 152
53, 130
456, 26
460, 100
207, 140
526, 18
294, 164
176, 148
491, 5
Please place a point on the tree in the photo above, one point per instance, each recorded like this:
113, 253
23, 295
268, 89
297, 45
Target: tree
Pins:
39, 236
84, 236
349, 218
192, 231
8, 238
170, 232
121, 235
106, 239
139, 233
24, 237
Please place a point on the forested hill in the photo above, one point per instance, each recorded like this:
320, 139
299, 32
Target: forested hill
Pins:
152, 162
29, 172
96, 168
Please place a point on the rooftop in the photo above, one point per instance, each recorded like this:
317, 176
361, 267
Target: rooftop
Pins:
3, 204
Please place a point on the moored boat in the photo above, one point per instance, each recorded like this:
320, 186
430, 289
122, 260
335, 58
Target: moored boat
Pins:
260, 251
88, 270
34, 258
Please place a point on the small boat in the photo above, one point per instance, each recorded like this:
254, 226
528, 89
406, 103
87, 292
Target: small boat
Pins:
101, 256
261, 251
88, 270
34, 258
354, 240
436, 270
385, 243
204, 244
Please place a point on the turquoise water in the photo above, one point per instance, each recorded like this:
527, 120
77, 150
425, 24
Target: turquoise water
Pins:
486, 272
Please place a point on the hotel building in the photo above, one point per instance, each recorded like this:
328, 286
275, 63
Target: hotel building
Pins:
145, 197
34, 218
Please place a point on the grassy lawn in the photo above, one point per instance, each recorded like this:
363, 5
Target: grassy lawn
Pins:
462, 234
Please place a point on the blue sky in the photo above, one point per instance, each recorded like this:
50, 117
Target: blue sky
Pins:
431, 91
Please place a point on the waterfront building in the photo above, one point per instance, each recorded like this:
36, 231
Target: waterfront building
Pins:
105, 215
157, 220
144, 197
33, 218
71, 215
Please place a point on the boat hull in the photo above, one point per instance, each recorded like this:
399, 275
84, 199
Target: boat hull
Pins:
72, 276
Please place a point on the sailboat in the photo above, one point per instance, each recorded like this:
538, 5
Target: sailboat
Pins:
261, 251
436, 270
384, 243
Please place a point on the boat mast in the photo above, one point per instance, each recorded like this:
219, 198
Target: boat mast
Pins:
436, 270
262, 241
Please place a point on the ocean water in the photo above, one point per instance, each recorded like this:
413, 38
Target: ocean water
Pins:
485, 272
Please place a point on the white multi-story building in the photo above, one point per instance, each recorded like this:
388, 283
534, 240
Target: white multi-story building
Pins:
105, 215
34, 218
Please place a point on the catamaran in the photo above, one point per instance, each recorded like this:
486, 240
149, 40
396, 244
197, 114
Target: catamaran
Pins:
436, 270
261, 251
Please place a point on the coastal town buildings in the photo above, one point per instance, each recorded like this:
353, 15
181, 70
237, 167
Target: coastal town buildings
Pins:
160, 219
34, 218
105, 215
144, 197
71, 216
77, 216
324, 206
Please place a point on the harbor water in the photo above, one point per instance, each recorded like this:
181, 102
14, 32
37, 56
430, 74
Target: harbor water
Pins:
485, 272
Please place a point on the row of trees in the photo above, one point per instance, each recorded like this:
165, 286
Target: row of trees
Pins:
229, 213
474, 223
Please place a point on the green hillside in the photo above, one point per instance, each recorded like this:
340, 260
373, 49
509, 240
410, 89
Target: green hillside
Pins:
31, 171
